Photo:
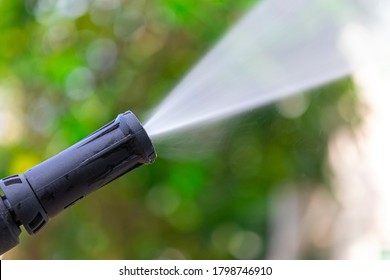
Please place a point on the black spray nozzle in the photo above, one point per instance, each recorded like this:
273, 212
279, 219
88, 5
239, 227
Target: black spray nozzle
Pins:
45, 190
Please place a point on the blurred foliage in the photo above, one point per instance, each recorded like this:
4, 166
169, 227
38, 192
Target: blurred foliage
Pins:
68, 67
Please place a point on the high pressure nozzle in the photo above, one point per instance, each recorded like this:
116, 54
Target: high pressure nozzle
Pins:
30, 199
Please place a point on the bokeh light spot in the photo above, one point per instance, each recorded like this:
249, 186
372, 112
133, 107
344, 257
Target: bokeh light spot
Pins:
102, 54
80, 83
245, 245
162, 201
293, 106
72, 8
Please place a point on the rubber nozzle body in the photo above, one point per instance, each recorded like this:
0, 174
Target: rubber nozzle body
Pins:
46, 189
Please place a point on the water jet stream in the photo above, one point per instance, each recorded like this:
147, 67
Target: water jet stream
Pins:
279, 48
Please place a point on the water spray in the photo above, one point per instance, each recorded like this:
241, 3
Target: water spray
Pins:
43, 191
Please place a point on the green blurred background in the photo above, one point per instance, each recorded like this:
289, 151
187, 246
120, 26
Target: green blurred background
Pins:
68, 67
